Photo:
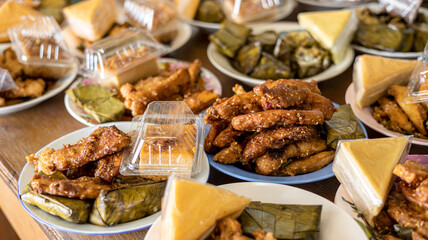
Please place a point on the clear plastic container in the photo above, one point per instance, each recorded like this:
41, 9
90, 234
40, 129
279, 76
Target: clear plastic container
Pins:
122, 58
407, 9
40, 46
6, 81
157, 16
168, 142
367, 174
418, 84
250, 10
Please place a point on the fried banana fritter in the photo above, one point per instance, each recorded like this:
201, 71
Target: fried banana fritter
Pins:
226, 137
316, 101
399, 120
411, 172
410, 194
26, 88
416, 113
214, 131
279, 117
280, 96
231, 154
199, 101
309, 164
277, 138
102, 142
83, 187
272, 160
311, 86
108, 167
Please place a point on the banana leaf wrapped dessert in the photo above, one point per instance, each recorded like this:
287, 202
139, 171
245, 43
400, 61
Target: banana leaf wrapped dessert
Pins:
285, 221
343, 125
72, 210
209, 11
267, 39
248, 57
421, 36
311, 60
230, 38
127, 204
271, 68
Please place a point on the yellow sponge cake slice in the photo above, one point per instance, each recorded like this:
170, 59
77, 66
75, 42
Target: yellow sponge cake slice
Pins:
333, 29
373, 75
365, 169
190, 209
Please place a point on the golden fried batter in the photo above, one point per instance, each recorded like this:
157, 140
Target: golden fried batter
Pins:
100, 143
108, 167
410, 194
26, 88
416, 113
226, 137
83, 187
231, 154
411, 171
309, 164
277, 138
316, 101
279, 117
311, 86
11, 63
238, 89
399, 120
272, 160
280, 96
422, 192
2, 102
199, 101
211, 136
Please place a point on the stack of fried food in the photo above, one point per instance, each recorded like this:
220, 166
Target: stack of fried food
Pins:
407, 205
230, 228
26, 87
87, 167
184, 84
400, 113
274, 129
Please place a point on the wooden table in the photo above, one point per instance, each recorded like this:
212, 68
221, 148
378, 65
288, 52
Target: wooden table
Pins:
28, 131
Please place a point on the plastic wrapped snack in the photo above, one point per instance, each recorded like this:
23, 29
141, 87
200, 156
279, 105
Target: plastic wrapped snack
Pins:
39, 45
169, 141
367, 174
6, 81
157, 16
91, 19
418, 84
125, 57
250, 10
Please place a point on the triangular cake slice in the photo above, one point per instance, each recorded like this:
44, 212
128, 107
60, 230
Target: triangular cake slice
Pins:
12, 13
365, 168
190, 209
91, 19
333, 29
373, 75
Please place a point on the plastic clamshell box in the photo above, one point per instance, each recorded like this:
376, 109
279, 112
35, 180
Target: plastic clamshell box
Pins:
122, 58
168, 142
364, 167
38, 43
6, 81
250, 10
418, 84
157, 16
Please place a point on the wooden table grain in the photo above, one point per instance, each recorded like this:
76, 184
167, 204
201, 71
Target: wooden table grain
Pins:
28, 131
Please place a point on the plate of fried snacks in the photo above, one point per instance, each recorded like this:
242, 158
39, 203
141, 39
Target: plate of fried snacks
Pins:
201, 92
209, 14
73, 184
389, 198
35, 67
256, 53
250, 211
261, 135
155, 16
407, 30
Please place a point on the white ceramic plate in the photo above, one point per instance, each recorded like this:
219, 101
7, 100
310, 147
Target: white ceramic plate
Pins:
211, 83
223, 64
365, 115
183, 35
27, 174
336, 224
375, 7
58, 87
338, 200
332, 3
286, 10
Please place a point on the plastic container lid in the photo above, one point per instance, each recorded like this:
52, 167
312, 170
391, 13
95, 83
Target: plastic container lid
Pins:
418, 84
168, 142
250, 10
39, 41
6, 81
121, 53
157, 16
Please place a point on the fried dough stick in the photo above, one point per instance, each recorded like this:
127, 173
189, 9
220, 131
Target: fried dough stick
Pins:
399, 119
407, 215
416, 113
227, 137
137, 101
234, 106
108, 167
311, 86
200, 100
272, 160
277, 138
231, 154
280, 96
83, 187
211, 136
100, 143
411, 172
309, 164
279, 117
